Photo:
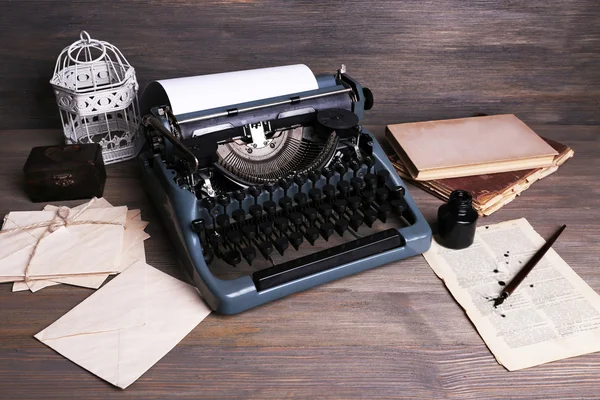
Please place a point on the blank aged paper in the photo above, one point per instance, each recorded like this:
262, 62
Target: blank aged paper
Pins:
552, 315
123, 329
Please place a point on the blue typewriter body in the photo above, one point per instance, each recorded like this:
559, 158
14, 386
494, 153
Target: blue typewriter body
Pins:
288, 192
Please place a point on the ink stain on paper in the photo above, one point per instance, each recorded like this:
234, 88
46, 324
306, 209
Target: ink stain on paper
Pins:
501, 283
487, 227
531, 285
495, 271
505, 254
503, 315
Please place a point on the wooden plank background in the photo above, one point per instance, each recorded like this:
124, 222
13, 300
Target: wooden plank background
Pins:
422, 59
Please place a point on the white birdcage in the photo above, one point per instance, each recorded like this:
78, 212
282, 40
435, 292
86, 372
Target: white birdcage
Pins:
96, 93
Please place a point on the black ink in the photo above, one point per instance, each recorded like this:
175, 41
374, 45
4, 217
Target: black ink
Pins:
531, 285
501, 283
487, 227
496, 271
503, 316
520, 262
505, 255
507, 263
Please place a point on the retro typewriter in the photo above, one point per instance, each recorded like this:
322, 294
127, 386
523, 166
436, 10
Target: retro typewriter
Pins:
268, 185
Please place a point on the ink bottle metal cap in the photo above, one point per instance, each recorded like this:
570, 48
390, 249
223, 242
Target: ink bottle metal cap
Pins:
457, 221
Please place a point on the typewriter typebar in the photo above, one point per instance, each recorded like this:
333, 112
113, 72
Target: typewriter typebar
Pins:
271, 196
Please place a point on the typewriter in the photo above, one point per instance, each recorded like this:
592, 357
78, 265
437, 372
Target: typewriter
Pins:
268, 185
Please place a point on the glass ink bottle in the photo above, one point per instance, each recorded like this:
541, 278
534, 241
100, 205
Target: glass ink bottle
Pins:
457, 221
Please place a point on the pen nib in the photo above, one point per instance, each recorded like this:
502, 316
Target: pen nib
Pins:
500, 299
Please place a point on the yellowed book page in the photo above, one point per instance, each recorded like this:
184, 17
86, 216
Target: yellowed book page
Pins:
552, 315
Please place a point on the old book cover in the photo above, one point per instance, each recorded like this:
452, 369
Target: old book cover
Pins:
490, 191
468, 146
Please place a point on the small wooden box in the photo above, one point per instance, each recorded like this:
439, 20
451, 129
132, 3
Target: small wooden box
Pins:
64, 172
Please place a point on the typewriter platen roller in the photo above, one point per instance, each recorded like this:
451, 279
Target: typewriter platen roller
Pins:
269, 185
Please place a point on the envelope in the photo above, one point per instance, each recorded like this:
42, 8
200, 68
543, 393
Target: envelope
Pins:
123, 329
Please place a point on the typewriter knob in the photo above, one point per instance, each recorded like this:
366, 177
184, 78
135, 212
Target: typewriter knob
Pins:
368, 98
239, 195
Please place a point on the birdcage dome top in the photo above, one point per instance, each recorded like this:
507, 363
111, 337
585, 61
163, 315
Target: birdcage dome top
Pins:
90, 65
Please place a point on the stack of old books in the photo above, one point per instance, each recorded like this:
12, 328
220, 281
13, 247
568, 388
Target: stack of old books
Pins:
495, 158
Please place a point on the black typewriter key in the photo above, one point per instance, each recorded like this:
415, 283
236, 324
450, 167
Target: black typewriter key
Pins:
312, 234
310, 214
286, 203
249, 254
354, 165
266, 227
329, 192
326, 210
297, 219
369, 162
223, 220
254, 191
382, 194
327, 173
249, 232
285, 184
255, 210
370, 216
300, 180
209, 203
296, 239
354, 202
340, 206
265, 249
357, 184
198, 226
234, 237
398, 192
356, 220
326, 229
232, 257
384, 212
343, 187
224, 200
341, 169
270, 208
239, 215
281, 244
315, 194
397, 206
301, 199
240, 196
281, 224
368, 196
382, 177
270, 188
370, 180
314, 177
215, 239
341, 226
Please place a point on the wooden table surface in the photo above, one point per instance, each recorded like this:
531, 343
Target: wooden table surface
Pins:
391, 332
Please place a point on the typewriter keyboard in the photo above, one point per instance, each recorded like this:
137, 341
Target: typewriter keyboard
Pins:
268, 224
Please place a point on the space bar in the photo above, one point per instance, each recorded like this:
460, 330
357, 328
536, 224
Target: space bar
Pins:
327, 259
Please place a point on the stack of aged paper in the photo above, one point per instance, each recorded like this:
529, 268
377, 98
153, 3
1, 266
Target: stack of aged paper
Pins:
468, 146
490, 192
81, 246
552, 315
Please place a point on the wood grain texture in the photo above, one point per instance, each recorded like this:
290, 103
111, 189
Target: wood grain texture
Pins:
422, 59
391, 332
